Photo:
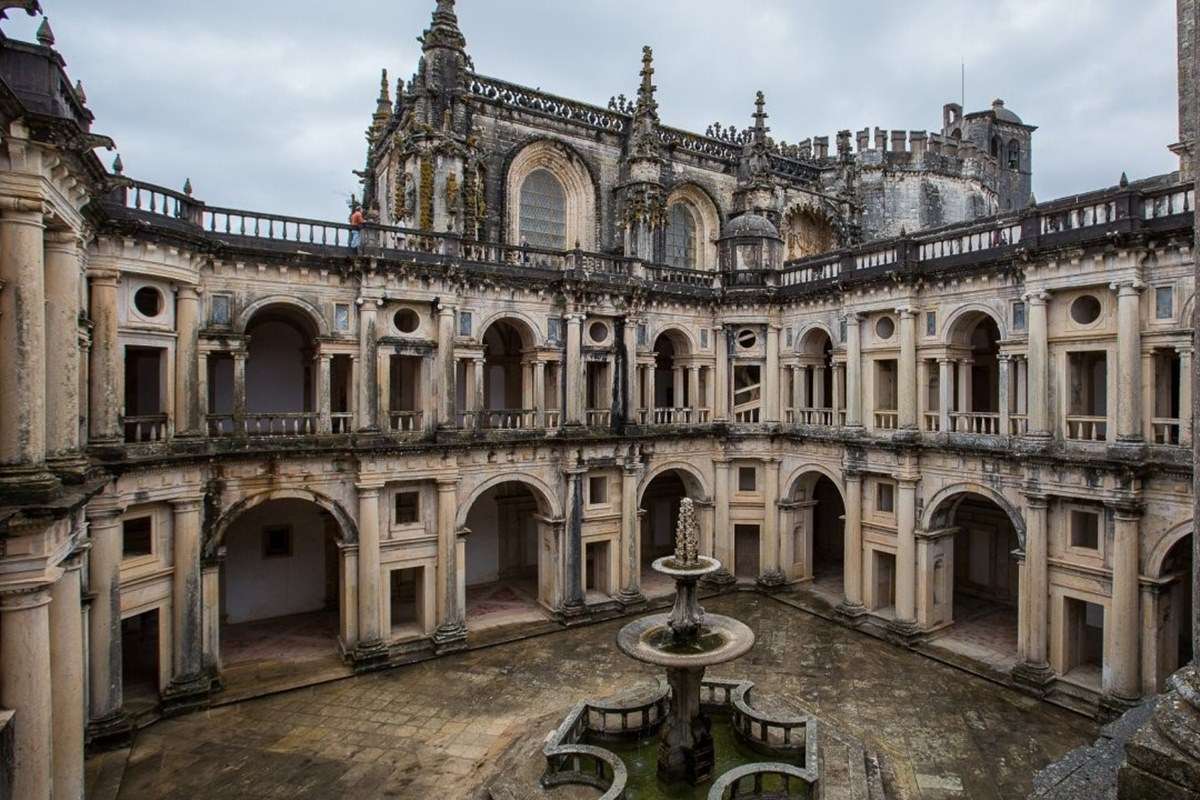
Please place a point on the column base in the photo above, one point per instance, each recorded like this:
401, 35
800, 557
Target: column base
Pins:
186, 694
851, 612
449, 638
721, 579
70, 468
631, 598
109, 733
572, 613
27, 484
1035, 678
1113, 706
772, 581
904, 631
1163, 757
369, 656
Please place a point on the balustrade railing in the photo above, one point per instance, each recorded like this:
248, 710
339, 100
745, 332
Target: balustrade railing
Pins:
875, 258
514, 95
827, 268
406, 240
508, 419
887, 420
747, 278
406, 421
145, 428
159, 200
770, 781
1018, 424
976, 422
1168, 204
1087, 429
218, 425
300, 423
234, 222
1165, 430
932, 421
598, 417
679, 416
820, 417
680, 276
1071, 219
972, 242
341, 422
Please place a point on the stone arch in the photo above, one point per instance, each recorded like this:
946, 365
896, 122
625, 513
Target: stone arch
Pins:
808, 341
678, 336
1155, 561
298, 309
961, 322
707, 215
808, 473
572, 172
692, 478
546, 498
523, 323
347, 527
808, 230
1189, 309
939, 509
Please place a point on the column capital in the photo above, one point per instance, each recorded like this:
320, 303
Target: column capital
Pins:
1127, 288
1125, 509
1004, 356
906, 312
11, 206
906, 480
445, 311
853, 473
25, 596
63, 240
368, 490
186, 291
632, 470
447, 484
575, 318
103, 277
1036, 499
185, 504
105, 513
1038, 298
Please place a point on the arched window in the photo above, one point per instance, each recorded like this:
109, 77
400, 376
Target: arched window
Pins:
543, 211
681, 237
995, 147
1014, 154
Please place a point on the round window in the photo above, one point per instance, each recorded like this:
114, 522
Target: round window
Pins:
148, 301
747, 338
1085, 310
598, 332
885, 328
406, 320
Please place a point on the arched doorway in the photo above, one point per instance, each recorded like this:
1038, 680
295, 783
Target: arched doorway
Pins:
281, 587
671, 393
812, 380
817, 536
975, 340
507, 389
973, 578
510, 576
1175, 604
659, 514
281, 375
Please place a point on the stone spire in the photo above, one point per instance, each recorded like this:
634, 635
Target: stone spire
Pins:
45, 36
646, 104
756, 162
383, 109
760, 119
444, 32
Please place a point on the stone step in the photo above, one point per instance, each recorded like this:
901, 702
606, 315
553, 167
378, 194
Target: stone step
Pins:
1091, 772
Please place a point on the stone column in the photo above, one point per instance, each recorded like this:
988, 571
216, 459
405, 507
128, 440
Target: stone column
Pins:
106, 392
478, 394
631, 551
368, 363
444, 369
965, 400
202, 409
107, 719
853, 372
818, 386
62, 347
1122, 681
573, 601
25, 686
1022, 385
1005, 393
694, 389
239, 391
67, 677
1185, 395
771, 574
574, 385
210, 580
721, 379
383, 388
678, 381
629, 334
23, 332
723, 532
539, 393
189, 685
838, 379
1034, 669
907, 369
906, 555
945, 393
1039, 365
771, 383
852, 605
187, 344
922, 391
355, 412
1129, 363
324, 379
797, 392
370, 640
650, 390
451, 629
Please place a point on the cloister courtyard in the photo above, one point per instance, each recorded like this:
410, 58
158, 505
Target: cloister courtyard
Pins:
437, 728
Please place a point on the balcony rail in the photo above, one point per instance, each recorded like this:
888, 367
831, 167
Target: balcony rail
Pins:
825, 269
298, 230
1178, 201
408, 241
821, 417
1087, 429
973, 242
1072, 219
219, 425
679, 276
598, 417
1165, 430
769, 781
746, 416
406, 421
1018, 424
675, 416
976, 422
887, 420
341, 422
145, 428
933, 421
300, 423
508, 419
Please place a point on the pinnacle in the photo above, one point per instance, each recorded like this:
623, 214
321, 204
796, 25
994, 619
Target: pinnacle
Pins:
45, 35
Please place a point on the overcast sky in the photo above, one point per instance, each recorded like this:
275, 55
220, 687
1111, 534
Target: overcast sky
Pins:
263, 104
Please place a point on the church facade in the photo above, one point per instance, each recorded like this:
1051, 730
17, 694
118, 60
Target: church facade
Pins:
898, 390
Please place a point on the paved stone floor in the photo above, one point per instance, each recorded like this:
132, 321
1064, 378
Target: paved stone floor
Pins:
433, 729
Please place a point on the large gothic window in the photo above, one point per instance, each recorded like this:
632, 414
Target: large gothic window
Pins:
681, 237
543, 211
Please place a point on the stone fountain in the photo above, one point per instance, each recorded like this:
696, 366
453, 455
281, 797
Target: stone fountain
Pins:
686, 642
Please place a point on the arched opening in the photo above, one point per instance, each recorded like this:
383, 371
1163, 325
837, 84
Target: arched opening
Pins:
281, 389
972, 568
812, 380
672, 389
808, 233
1174, 645
509, 574
696, 207
996, 147
281, 586
507, 377
818, 536
681, 237
975, 341
543, 214
1014, 154
659, 514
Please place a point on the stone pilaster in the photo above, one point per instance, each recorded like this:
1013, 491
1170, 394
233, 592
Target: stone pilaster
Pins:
370, 651
187, 344
771, 576
1039, 365
853, 371
722, 530
1122, 680
631, 545
107, 722
67, 676
451, 632
1033, 671
573, 383
905, 623
190, 684
907, 369
106, 393
573, 606
24, 668
721, 411
63, 275
1129, 363
770, 393
852, 606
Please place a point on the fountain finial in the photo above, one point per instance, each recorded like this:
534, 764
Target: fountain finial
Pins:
687, 538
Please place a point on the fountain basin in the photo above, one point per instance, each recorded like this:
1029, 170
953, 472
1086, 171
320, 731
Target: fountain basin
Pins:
670, 566
720, 639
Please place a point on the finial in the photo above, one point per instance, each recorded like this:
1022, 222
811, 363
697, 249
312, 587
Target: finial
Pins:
1124, 180
118, 166
187, 186
80, 93
646, 103
45, 36
383, 87
760, 115
1032, 200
